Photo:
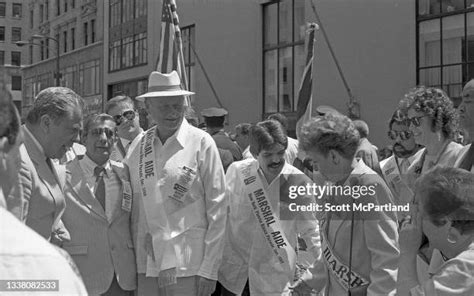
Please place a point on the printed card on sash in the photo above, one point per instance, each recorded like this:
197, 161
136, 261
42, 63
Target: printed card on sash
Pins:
396, 182
347, 277
265, 215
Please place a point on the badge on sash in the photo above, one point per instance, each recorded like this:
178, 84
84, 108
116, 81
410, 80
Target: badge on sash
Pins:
126, 196
181, 187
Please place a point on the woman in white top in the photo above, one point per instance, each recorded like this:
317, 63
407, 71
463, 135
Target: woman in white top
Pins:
445, 214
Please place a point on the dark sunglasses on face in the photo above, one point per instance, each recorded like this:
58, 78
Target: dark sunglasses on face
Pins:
129, 115
404, 135
98, 132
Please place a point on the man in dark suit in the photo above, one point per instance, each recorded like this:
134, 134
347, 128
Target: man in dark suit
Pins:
52, 126
214, 119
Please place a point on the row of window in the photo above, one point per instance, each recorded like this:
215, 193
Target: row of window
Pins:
128, 52
16, 9
15, 58
44, 9
122, 11
16, 34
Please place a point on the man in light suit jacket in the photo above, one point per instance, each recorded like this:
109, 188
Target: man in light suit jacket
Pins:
52, 126
98, 213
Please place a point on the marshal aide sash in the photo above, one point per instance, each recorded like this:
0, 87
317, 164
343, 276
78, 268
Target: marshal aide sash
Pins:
269, 223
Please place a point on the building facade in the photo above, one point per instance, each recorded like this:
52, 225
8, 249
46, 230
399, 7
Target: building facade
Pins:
13, 27
68, 32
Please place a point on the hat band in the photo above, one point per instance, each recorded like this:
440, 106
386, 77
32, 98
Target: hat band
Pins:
164, 88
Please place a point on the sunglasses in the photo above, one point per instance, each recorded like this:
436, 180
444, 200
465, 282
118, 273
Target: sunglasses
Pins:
129, 115
404, 135
98, 132
416, 121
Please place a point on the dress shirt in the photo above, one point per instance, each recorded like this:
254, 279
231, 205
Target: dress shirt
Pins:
200, 246
111, 180
291, 151
246, 154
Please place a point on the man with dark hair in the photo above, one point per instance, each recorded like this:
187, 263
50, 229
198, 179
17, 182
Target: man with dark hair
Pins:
291, 153
98, 213
466, 111
242, 137
356, 245
52, 126
405, 150
214, 119
122, 109
268, 262
366, 151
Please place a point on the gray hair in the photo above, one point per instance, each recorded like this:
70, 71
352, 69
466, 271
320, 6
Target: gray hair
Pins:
55, 102
117, 101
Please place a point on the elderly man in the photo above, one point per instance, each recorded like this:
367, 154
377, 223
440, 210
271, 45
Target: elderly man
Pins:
269, 262
179, 180
52, 126
466, 111
360, 248
122, 109
98, 213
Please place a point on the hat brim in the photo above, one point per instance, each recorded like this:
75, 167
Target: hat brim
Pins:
157, 94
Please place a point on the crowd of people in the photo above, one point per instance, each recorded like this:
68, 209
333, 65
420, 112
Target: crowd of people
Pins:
100, 206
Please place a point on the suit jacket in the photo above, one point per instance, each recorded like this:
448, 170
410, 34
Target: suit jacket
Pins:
38, 197
374, 245
99, 246
224, 142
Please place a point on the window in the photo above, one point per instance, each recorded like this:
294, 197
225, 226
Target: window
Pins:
92, 31
283, 54
58, 7
127, 49
73, 38
41, 11
41, 49
46, 48
2, 33
16, 34
89, 78
16, 58
16, 10
16, 82
445, 57
85, 33
3, 8
2, 57
65, 40
65, 5
31, 54
188, 35
73, 4
31, 18
46, 9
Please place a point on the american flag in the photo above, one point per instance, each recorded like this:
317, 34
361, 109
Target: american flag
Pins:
305, 97
171, 44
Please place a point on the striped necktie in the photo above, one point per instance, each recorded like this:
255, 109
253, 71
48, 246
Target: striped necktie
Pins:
100, 185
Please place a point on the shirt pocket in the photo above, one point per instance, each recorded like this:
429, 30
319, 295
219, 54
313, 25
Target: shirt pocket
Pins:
76, 249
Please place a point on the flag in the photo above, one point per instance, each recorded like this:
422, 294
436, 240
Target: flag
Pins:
305, 98
171, 45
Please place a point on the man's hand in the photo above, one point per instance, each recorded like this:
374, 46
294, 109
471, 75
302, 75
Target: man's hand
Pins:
411, 233
301, 288
205, 287
60, 236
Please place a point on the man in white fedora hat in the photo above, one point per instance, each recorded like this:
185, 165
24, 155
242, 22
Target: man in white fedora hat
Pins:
177, 175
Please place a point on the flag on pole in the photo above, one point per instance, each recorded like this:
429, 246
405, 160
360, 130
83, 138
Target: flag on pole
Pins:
305, 98
171, 45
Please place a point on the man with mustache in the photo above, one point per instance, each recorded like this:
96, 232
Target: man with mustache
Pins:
122, 109
52, 126
466, 111
257, 190
405, 150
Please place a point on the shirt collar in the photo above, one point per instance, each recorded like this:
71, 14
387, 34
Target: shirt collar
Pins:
37, 143
180, 134
89, 165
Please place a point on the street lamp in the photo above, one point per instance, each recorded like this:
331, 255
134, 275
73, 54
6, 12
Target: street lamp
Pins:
38, 36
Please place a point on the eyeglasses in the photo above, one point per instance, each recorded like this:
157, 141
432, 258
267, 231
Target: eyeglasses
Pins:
98, 132
129, 115
416, 121
404, 135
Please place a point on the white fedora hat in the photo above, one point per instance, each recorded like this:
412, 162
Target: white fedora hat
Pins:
164, 85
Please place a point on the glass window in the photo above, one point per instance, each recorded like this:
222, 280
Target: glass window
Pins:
65, 40
73, 38
73, 3
3, 8
58, 8
92, 31
46, 9
16, 34
41, 9
188, 37
16, 82
283, 54
2, 57
16, 58
16, 10
65, 5
2, 33
85, 33
31, 18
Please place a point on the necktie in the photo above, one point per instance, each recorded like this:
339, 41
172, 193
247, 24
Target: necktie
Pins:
404, 164
100, 185
468, 160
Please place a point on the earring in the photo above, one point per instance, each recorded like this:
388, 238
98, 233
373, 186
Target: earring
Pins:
451, 239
